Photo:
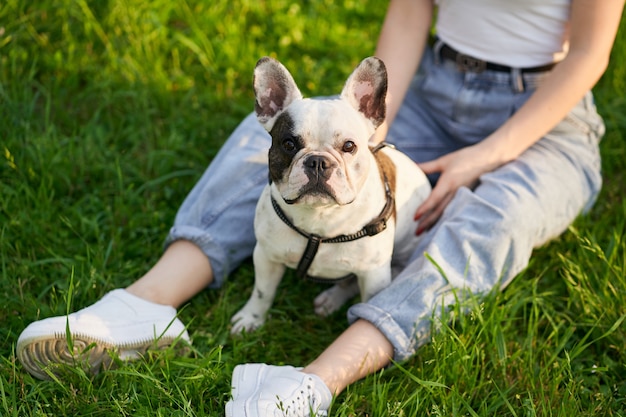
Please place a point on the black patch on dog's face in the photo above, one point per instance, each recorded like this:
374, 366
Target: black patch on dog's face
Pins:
285, 145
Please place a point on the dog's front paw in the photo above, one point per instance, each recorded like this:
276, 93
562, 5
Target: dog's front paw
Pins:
246, 321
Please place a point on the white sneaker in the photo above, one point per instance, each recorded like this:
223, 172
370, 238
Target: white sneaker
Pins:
248, 378
285, 392
120, 322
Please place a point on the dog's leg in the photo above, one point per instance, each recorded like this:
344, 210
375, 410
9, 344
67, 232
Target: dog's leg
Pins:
371, 282
267, 277
330, 300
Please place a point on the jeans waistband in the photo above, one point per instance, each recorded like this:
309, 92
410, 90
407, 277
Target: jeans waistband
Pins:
520, 79
467, 63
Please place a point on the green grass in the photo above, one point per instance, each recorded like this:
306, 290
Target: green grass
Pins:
109, 113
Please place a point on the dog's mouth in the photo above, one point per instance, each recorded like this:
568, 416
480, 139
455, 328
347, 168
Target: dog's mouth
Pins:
316, 181
314, 193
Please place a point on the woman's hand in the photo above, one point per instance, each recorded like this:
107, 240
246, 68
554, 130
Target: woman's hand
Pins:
458, 169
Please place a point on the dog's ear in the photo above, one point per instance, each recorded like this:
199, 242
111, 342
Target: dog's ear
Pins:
274, 89
366, 89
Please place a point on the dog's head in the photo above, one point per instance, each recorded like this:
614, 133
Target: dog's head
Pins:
319, 154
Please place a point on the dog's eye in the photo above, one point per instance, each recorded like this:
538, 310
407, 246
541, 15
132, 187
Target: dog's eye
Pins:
289, 145
349, 147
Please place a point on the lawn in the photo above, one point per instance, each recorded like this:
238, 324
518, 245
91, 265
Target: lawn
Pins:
109, 113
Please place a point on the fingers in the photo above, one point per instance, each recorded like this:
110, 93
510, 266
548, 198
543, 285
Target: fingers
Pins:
431, 167
461, 168
429, 218
432, 208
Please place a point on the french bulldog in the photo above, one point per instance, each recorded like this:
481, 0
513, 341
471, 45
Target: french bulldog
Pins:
335, 207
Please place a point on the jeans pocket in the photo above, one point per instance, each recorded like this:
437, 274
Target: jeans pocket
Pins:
482, 108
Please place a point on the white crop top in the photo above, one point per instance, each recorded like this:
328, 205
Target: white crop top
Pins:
517, 33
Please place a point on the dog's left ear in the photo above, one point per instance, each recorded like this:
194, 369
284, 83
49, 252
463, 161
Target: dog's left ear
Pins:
274, 88
366, 89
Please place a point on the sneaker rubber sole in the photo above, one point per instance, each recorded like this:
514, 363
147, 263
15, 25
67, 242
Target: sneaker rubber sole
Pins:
44, 356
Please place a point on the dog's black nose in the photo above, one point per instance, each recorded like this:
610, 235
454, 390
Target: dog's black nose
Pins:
319, 166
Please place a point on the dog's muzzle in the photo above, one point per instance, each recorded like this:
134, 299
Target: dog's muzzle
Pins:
319, 167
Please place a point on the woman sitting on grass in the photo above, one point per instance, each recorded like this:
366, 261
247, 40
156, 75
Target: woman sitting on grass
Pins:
496, 109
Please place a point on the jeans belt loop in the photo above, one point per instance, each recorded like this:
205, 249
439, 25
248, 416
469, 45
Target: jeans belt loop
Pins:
517, 80
436, 47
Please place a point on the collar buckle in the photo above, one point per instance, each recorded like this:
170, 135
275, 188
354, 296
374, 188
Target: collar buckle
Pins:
375, 228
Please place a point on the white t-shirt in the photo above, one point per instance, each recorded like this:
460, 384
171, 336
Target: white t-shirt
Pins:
517, 33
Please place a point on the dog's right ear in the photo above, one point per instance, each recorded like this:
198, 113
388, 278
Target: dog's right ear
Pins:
274, 88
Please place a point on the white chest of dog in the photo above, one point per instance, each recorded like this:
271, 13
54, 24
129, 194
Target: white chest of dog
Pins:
334, 207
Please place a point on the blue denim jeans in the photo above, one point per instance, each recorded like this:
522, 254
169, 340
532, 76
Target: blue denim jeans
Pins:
484, 237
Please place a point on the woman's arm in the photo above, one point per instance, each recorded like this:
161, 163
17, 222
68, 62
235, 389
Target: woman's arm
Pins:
400, 45
593, 27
